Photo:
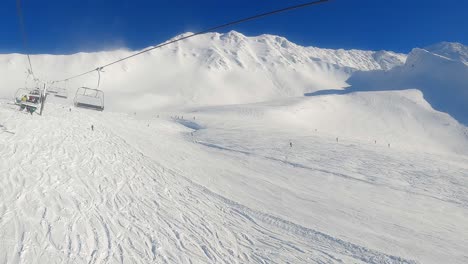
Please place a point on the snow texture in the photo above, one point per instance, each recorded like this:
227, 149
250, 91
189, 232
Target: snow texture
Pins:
235, 149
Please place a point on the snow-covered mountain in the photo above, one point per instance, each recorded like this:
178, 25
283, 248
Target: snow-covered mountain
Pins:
212, 69
240, 150
451, 50
442, 80
235, 48
224, 69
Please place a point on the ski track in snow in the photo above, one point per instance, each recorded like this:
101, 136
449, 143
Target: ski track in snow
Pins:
413, 179
71, 195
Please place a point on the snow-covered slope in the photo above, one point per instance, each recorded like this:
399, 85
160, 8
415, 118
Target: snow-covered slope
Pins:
153, 190
212, 69
402, 119
443, 81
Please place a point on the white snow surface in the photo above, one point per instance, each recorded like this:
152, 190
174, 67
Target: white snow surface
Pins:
233, 149
225, 187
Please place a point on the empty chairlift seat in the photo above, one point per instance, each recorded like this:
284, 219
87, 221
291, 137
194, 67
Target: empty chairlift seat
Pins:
89, 98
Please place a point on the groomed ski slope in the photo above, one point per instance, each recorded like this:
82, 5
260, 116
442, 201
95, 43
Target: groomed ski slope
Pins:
224, 186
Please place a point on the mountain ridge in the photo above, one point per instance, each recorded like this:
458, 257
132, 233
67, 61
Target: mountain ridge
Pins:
216, 69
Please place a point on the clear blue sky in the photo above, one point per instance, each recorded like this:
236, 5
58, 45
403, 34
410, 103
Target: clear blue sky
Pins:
68, 26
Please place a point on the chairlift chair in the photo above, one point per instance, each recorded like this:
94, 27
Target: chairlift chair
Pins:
29, 98
89, 98
58, 90
61, 93
52, 90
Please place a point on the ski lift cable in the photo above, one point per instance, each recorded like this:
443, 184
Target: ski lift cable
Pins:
24, 36
202, 32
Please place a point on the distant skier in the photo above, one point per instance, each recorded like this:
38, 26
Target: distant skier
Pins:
336, 139
290, 144
92, 127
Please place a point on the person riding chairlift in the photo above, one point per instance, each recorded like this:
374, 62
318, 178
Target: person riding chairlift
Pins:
22, 99
33, 99
31, 109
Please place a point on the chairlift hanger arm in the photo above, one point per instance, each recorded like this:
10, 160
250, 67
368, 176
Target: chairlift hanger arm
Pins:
24, 35
91, 89
236, 22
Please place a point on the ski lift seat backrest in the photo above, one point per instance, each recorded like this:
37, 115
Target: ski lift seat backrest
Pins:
35, 92
61, 93
52, 90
